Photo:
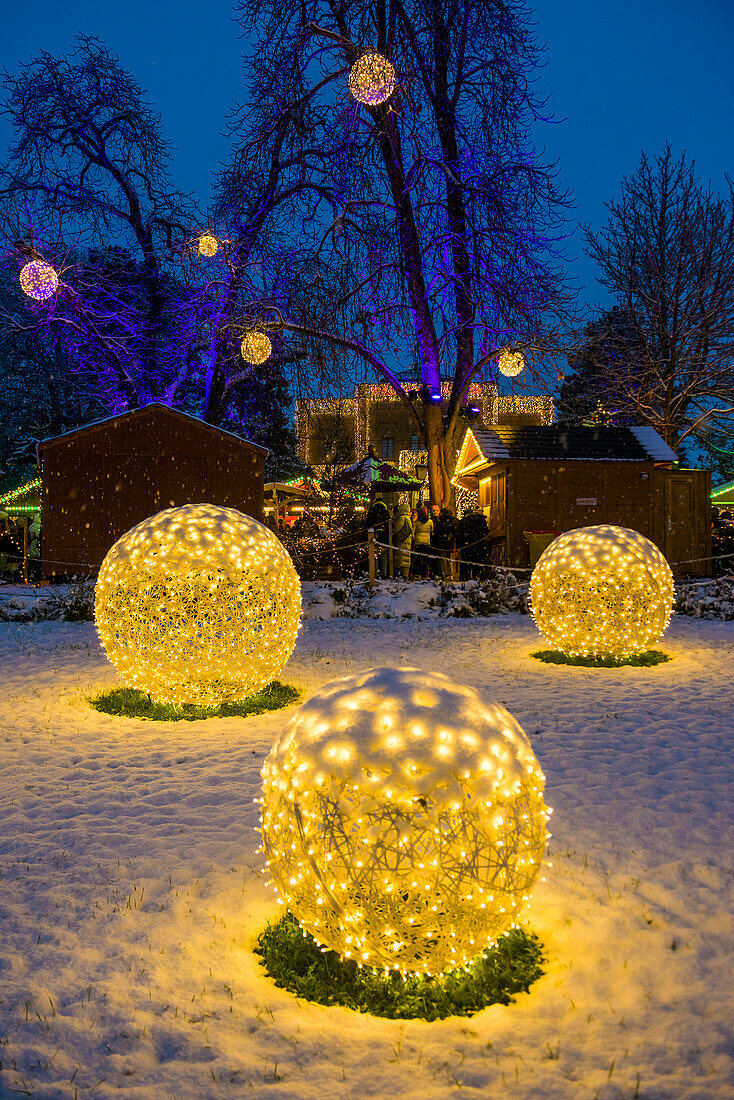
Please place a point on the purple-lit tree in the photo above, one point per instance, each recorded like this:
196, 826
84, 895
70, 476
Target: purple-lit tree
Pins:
85, 187
430, 209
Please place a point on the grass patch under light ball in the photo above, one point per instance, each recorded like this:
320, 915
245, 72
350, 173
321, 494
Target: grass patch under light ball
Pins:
638, 660
296, 963
126, 702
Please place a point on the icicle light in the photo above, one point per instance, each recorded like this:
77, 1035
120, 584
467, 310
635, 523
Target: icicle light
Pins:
256, 347
601, 591
208, 245
372, 79
510, 363
39, 280
403, 819
198, 604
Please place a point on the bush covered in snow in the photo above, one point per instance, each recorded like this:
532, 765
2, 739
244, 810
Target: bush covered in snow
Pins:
70, 603
706, 599
430, 599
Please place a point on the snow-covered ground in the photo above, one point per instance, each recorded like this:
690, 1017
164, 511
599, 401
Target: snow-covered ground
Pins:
130, 892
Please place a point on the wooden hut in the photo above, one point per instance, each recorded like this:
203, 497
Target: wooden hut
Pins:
102, 479
533, 482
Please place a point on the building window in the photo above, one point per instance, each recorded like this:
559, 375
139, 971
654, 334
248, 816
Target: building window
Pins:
387, 443
415, 443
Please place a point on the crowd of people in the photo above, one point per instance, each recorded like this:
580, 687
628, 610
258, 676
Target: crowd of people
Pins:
425, 540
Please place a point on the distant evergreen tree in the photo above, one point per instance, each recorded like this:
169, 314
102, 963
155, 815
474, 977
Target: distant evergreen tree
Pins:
602, 383
259, 410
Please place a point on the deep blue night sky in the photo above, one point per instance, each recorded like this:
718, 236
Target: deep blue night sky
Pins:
624, 75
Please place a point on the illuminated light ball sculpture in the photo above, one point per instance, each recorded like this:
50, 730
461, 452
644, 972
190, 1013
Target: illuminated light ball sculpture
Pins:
39, 280
403, 820
511, 363
601, 591
198, 604
256, 347
208, 245
372, 79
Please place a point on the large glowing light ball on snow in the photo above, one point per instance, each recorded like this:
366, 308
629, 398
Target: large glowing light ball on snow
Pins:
198, 604
403, 819
38, 280
601, 591
372, 79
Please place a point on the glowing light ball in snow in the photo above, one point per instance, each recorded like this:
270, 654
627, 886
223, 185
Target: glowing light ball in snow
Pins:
255, 347
372, 79
198, 604
208, 245
403, 819
510, 363
601, 591
38, 280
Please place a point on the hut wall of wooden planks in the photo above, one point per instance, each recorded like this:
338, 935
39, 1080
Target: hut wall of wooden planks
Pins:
100, 480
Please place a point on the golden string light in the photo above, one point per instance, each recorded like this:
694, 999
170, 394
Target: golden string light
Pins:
403, 819
208, 244
199, 604
38, 280
372, 79
510, 363
255, 347
601, 591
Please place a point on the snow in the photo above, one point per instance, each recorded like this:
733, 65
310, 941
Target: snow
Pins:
131, 893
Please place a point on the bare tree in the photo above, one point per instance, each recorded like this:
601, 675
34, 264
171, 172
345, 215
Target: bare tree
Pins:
667, 256
89, 159
431, 209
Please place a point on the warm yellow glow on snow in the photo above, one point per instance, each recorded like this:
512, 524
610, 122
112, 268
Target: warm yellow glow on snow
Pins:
403, 819
198, 604
601, 591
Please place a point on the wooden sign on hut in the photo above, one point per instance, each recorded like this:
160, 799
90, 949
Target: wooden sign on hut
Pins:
102, 479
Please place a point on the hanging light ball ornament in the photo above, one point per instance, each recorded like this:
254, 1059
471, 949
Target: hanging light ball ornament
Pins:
511, 363
403, 819
372, 79
198, 604
601, 591
208, 245
256, 347
38, 280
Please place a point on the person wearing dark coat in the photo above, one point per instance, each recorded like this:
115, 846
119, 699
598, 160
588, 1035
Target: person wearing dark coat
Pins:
444, 539
471, 539
378, 518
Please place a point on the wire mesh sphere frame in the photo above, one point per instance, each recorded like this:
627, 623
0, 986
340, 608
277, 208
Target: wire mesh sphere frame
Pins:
511, 363
372, 79
256, 347
403, 820
198, 604
38, 280
602, 591
208, 244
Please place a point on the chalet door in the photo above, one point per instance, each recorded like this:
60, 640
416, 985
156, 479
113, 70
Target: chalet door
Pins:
680, 509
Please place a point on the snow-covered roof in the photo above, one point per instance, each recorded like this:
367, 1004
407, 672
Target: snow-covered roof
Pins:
158, 405
727, 489
587, 443
657, 449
